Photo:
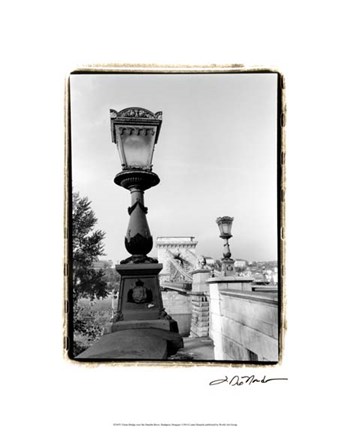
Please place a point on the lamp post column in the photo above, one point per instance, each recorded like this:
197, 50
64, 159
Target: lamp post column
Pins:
138, 239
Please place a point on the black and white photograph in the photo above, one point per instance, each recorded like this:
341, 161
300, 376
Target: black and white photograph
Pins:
174, 216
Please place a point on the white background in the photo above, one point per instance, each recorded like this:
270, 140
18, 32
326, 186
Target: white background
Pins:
41, 43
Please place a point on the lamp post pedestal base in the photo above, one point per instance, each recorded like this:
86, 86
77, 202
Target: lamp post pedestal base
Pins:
141, 329
228, 268
139, 293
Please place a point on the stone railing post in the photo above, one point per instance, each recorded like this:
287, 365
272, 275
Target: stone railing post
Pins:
200, 303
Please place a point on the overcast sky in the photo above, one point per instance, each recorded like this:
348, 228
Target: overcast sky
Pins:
216, 156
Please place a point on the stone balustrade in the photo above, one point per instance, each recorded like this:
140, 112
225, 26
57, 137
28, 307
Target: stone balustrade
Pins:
243, 323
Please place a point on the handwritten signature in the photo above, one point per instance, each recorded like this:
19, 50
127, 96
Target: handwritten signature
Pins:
245, 379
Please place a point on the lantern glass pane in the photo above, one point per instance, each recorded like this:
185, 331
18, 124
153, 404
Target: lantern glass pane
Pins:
138, 151
226, 227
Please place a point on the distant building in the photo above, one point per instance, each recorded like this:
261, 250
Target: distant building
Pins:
264, 272
172, 249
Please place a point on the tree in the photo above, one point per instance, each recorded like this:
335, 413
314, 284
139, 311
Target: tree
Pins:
112, 279
87, 247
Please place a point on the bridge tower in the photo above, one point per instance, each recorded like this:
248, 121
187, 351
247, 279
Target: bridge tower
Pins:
178, 256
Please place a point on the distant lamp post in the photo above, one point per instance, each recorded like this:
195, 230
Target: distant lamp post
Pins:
225, 226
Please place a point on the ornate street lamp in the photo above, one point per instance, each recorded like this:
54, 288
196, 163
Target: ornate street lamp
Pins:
135, 131
225, 225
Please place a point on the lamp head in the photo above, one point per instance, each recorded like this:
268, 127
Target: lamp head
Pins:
225, 225
135, 131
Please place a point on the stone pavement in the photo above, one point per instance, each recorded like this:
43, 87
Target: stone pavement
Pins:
195, 349
134, 344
